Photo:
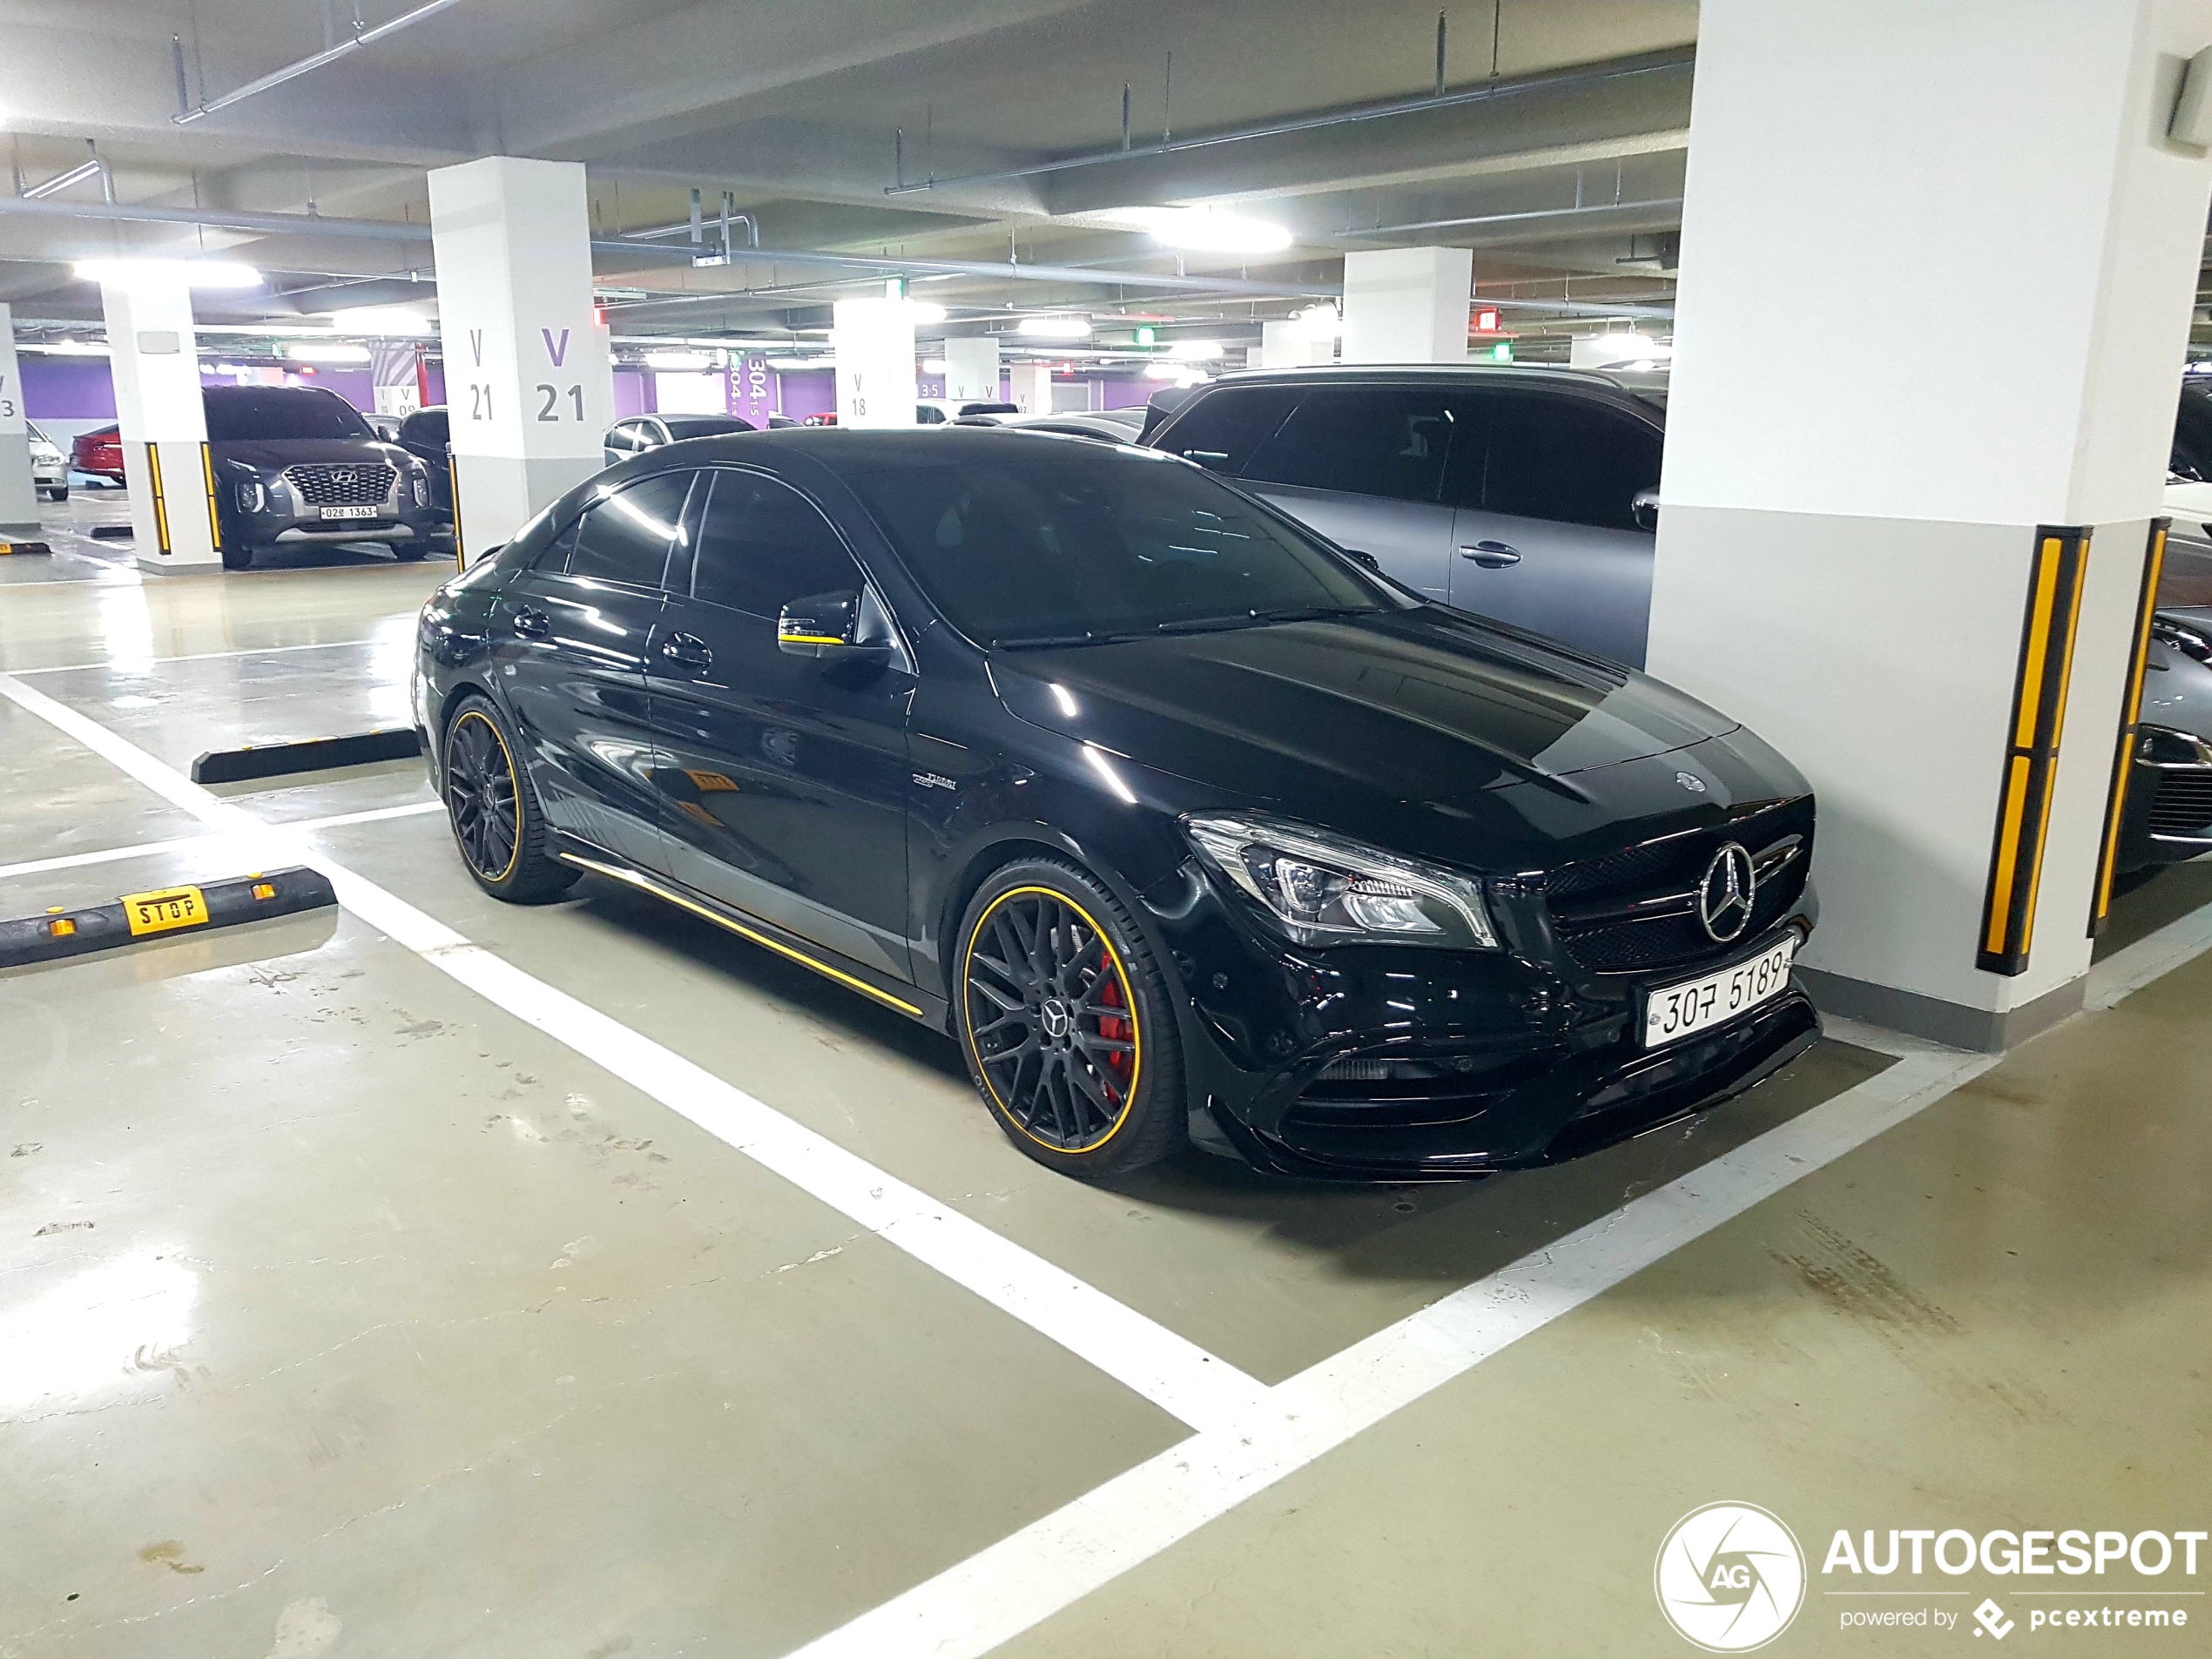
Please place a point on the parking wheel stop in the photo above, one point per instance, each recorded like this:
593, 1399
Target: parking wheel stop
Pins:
7, 547
62, 932
307, 754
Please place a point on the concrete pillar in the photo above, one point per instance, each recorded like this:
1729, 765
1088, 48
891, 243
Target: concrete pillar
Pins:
18, 498
874, 344
972, 368
1029, 387
1295, 345
529, 377
1920, 577
161, 422
1407, 305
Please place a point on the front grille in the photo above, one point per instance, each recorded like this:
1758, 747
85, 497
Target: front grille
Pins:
2183, 804
1633, 910
342, 483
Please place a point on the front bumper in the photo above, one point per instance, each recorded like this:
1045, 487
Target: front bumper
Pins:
1402, 1063
2168, 818
392, 524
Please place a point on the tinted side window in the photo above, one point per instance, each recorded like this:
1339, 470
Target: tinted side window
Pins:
428, 429
1563, 459
762, 545
2192, 456
625, 538
1368, 440
1221, 429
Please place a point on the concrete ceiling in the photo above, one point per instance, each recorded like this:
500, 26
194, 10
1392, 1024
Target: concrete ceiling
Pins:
814, 116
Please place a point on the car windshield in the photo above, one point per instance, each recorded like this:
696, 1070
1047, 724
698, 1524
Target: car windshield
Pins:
265, 414
1080, 547
704, 426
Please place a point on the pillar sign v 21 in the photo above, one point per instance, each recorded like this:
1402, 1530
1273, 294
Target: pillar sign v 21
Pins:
555, 401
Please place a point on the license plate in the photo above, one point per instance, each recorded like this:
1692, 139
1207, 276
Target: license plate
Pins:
1674, 1012
350, 512
157, 913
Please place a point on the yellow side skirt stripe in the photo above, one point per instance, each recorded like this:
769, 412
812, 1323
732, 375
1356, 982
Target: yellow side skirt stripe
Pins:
645, 884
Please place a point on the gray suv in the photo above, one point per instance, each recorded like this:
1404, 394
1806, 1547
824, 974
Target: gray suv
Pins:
1529, 494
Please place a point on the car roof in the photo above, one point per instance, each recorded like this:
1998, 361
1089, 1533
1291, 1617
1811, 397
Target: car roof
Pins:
850, 452
1447, 373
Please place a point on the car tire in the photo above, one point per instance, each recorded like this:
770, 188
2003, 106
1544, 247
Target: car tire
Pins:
493, 812
237, 556
1064, 1019
58, 495
411, 552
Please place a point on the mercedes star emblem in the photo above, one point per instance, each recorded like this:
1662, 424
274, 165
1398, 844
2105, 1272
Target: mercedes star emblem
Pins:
1691, 781
1724, 896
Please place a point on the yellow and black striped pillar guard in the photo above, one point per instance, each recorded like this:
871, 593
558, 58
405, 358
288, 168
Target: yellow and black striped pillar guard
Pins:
2131, 711
2032, 752
215, 518
161, 501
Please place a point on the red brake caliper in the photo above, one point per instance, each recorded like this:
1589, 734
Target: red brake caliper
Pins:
1118, 1027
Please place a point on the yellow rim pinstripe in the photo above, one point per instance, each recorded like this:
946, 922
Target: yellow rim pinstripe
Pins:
514, 777
1129, 1000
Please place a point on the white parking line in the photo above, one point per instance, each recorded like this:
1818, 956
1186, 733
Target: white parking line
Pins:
115, 854
1172, 1371
2149, 958
130, 665
1021, 1580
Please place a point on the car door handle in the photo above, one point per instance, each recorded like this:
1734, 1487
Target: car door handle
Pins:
536, 623
687, 650
1491, 555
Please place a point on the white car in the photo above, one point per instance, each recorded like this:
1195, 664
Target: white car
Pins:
49, 465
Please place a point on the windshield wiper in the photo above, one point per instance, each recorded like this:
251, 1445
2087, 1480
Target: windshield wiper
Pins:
1046, 641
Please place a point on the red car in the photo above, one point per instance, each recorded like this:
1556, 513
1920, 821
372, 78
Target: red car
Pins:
99, 453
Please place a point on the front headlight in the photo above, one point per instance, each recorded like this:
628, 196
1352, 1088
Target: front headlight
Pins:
250, 497
1323, 888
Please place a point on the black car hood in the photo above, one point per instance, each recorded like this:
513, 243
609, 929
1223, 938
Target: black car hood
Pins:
1356, 719
274, 455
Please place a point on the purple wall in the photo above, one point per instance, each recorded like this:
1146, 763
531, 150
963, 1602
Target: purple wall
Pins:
813, 392
67, 388
633, 394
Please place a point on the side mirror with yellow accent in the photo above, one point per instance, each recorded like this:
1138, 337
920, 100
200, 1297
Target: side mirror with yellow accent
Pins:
832, 628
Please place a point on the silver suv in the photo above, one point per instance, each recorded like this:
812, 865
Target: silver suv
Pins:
1529, 494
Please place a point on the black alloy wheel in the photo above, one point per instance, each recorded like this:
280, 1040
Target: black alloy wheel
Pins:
1063, 1016
496, 821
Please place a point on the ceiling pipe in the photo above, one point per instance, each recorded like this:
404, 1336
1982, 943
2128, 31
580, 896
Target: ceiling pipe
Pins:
1597, 216
1677, 62
361, 36
90, 167
414, 231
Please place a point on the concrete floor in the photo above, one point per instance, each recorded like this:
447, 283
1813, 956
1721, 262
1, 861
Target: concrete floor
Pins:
347, 1306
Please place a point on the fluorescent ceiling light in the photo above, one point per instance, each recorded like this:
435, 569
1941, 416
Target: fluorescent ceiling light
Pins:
924, 311
1195, 351
1058, 327
70, 349
197, 273
1211, 229
797, 365
305, 351
393, 322
1319, 322
676, 360
932, 365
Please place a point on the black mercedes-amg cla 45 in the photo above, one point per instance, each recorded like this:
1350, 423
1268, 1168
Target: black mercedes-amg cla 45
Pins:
1181, 821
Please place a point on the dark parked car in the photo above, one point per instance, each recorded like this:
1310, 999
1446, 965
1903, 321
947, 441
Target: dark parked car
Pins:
1176, 818
2168, 816
297, 466
425, 435
643, 432
1528, 495
98, 454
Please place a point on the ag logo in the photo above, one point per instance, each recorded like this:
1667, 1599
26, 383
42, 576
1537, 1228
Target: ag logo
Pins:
1729, 1577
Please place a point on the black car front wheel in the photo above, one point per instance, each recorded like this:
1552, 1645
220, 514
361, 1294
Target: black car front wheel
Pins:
495, 815
1065, 1021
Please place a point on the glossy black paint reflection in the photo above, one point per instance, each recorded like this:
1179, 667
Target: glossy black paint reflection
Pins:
851, 809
